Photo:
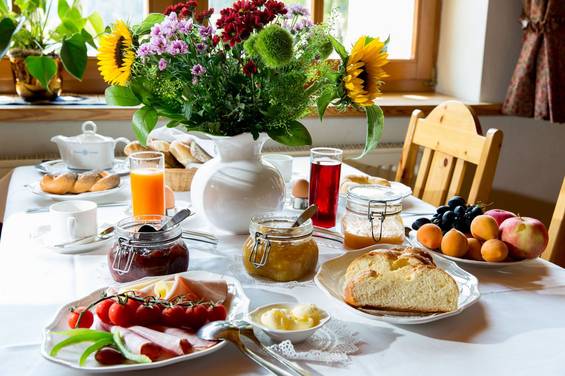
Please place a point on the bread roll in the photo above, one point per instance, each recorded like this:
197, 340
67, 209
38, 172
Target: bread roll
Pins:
59, 185
85, 181
164, 147
199, 153
106, 181
182, 153
353, 180
399, 280
134, 147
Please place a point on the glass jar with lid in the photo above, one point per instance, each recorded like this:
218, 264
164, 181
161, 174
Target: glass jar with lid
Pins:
278, 251
137, 254
372, 216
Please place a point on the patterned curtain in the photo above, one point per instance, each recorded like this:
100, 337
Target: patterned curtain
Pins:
537, 88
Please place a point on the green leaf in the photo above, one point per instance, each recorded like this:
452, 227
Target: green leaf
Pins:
93, 348
88, 38
187, 110
62, 8
295, 134
143, 122
125, 351
149, 21
96, 22
338, 47
73, 55
140, 90
43, 68
173, 124
7, 29
4, 7
375, 124
324, 100
120, 96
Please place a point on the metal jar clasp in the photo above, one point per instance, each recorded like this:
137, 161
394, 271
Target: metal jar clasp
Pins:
256, 259
124, 257
380, 215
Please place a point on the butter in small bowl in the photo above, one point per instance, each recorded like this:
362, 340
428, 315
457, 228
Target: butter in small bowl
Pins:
282, 321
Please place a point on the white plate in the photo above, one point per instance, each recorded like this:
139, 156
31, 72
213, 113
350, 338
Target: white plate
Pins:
331, 278
58, 166
463, 261
237, 303
41, 235
36, 189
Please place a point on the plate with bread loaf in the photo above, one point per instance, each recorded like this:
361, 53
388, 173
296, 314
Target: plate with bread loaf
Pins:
77, 186
398, 285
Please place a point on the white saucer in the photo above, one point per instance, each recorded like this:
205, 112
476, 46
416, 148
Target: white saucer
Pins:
41, 235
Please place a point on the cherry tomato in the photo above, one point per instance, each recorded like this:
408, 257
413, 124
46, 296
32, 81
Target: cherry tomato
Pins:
174, 316
85, 321
133, 304
120, 314
217, 312
102, 310
196, 316
147, 315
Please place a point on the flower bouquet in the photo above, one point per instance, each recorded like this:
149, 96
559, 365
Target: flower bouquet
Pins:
260, 69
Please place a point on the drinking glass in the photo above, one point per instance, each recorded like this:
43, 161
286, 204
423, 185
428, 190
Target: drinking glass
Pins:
325, 170
147, 179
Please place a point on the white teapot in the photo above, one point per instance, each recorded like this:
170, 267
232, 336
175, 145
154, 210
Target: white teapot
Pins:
89, 150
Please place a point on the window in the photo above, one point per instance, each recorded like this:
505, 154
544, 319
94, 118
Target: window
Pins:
412, 25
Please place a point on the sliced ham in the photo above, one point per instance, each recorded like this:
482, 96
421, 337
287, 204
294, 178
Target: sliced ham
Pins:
176, 345
196, 342
141, 345
215, 291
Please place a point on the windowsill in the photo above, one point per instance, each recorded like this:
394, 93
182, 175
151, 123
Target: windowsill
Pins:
393, 104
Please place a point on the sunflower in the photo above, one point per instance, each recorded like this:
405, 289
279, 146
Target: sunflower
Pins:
116, 55
364, 72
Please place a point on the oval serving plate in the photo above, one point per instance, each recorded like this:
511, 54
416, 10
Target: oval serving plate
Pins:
331, 275
237, 302
36, 189
462, 261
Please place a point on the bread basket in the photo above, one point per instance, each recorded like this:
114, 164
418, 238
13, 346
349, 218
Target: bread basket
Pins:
179, 179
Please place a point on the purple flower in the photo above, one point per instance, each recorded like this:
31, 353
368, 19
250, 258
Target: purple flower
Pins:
144, 50
170, 25
194, 81
201, 47
198, 70
185, 26
297, 10
177, 47
301, 24
158, 44
205, 31
156, 30
162, 64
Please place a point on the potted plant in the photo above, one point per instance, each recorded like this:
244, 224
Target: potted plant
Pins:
38, 52
253, 75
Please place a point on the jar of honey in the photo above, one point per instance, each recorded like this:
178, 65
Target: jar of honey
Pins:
136, 254
372, 216
278, 251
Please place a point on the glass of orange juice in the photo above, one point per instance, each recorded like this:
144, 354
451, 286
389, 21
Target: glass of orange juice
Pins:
147, 179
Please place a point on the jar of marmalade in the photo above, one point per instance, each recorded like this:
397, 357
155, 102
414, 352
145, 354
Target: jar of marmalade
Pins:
372, 215
278, 251
135, 254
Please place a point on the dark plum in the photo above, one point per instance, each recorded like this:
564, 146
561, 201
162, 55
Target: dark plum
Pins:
476, 211
419, 223
459, 211
448, 218
442, 209
456, 201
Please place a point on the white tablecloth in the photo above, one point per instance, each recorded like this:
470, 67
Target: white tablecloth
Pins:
517, 327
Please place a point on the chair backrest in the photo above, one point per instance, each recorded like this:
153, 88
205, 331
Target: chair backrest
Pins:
452, 143
555, 251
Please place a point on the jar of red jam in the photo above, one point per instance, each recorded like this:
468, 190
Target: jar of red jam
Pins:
136, 254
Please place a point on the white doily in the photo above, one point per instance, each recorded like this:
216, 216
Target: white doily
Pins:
333, 343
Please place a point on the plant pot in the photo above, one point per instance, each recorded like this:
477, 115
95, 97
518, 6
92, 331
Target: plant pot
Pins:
28, 87
236, 184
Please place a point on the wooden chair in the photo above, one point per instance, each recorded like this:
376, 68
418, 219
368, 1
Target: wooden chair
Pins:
555, 251
451, 138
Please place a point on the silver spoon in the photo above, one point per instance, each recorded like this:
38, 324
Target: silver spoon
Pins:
246, 329
104, 234
224, 330
176, 219
305, 215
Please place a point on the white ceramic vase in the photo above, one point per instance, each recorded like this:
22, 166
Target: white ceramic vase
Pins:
236, 184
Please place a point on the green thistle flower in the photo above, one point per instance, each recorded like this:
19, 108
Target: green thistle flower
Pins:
274, 45
249, 45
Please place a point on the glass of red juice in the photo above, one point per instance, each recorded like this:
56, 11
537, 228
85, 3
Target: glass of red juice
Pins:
325, 170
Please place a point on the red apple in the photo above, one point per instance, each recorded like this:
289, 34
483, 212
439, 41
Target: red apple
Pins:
526, 237
499, 215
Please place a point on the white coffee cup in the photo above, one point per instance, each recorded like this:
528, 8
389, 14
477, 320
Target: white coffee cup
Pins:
282, 162
72, 220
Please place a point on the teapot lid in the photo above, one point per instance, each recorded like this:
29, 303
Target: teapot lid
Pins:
89, 133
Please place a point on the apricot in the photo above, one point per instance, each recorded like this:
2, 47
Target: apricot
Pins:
429, 235
454, 243
494, 250
484, 227
474, 251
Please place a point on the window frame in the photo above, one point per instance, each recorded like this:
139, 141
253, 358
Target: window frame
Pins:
407, 75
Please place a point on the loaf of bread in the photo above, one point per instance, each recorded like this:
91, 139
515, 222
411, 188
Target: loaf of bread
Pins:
69, 182
353, 180
177, 154
401, 279
165, 148
181, 151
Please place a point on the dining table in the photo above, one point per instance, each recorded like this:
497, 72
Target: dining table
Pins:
517, 327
